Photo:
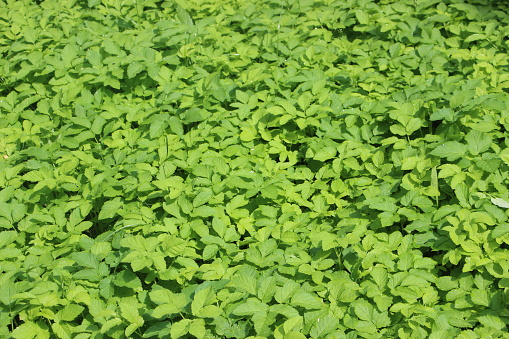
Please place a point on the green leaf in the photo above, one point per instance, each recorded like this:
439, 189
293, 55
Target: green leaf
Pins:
202, 298
110, 208
306, 300
460, 98
248, 133
176, 125
30, 330
500, 202
243, 97
97, 125
504, 155
165, 310
169, 302
157, 128
480, 297
134, 69
318, 86
304, 100
446, 283
362, 17
363, 310
129, 310
294, 335
180, 328
197, 328
262, 322
111, 47
34, 176
293, 324
202, 198
251, 306
462, 192
324, 326
210, 251
380, 276
477, 142
107, 325
210, 311
86, 259
407, 126
443, 114
128, 279
184, 16
325, 153
448, 170
285, 292
451, 150
193, 115
500, 231
266, 289
69, 53
382, 204
7, 237
106, 288
70, 312
492, 321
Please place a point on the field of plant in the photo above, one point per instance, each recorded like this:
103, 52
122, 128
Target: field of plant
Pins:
282, 169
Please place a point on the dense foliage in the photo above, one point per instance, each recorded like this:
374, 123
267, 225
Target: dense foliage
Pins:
267, 169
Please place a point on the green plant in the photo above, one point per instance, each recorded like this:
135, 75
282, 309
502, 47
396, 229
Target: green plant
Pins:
238, 169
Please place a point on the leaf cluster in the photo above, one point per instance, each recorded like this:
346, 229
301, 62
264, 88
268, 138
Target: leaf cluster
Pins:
236, 169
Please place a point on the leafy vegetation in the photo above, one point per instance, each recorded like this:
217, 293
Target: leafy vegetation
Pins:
254, 169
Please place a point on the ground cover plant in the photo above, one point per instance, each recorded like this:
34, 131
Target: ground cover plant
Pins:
254, 169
